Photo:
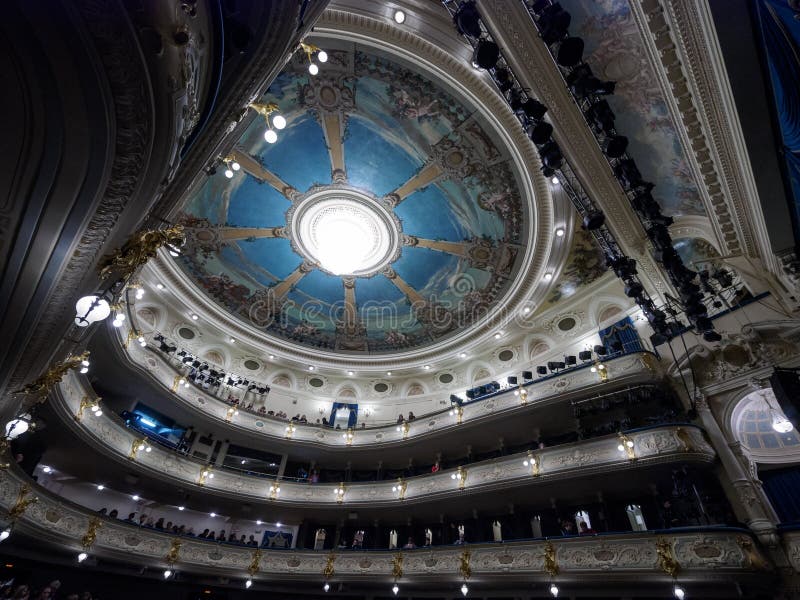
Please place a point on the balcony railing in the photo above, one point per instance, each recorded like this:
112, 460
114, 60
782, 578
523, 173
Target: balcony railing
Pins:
623, 369
636, 449
726, 552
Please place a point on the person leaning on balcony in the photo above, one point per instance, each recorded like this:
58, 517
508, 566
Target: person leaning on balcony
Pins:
585, 529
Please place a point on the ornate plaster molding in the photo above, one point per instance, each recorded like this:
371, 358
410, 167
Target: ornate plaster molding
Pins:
651, 446
729, 552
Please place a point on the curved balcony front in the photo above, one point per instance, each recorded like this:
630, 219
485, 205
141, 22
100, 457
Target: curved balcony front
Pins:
628, 369
637, 449
715, 553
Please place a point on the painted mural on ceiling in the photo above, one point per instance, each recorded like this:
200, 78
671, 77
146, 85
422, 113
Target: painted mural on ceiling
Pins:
585, 264
615, 51
400, 157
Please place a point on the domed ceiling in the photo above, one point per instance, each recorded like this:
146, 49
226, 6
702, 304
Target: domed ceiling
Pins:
385, 218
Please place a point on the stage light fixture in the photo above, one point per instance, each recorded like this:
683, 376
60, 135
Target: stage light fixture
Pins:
570, 52
594, 220
614, 146
540, 370
468, 20
600, 117
570, 360
527, 375
553, 23
600, 350
585, 355
628, 173
486, 54
539, 132
551, 155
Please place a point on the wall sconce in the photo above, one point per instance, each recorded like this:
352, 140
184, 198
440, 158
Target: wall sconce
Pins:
460, 476
137, 445
348, 437
274, 490
339, 491
310, 50
532, 462
601, 371
265, 110
400, 488
290, 429
87, 402
205, 475
231, 166
230, 413
627, 446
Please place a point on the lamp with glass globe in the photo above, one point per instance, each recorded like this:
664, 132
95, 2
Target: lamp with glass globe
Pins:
266, 111
91, 309
310, 51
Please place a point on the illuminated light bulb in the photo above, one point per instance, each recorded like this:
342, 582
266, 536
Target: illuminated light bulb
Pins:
388, 373
100, 487
211, 476
395, 589
46, 469
464, 589
135, 498
679, 592
82, 557
194, 317
278, 524
629, 443
593, 369
601, 367
5, 533
116, 323
235, 166
232, 340
621, 448
181, 381
84, 370
326, 587
212, 515
91, 309
526, 310
399, 17
452, 476
167, 573
248, 583
229, 173
350, 373
181, 508
555, 180
560, 232
427, 367
148, 449
548, 276
310, 368
279, 122
463, 355
98, 413
525, 462
554, 590
313, 69
516, 392
186, 384
85, 363
270, 136
451, 413
258, 522
322, 56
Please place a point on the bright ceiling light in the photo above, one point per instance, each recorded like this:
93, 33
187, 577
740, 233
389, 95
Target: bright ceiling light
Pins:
212, 515
236, 166
270, 136
463, 355
5, 533
554, 590
82, 557
555, 180
229, 173
464, 589
160, 286
548, 276
278, 524
560, 232
135, 498
167, 573
248, 583
91, 309
100, 487
322, 56
279, 121
350, 373
313, 69
346, 239
679, 592
194, 317
395, 589
181, 508
399, 18
427, 367
326, 587
388, 373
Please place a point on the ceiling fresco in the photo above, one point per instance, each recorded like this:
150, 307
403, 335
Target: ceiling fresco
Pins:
616, 52
379, 160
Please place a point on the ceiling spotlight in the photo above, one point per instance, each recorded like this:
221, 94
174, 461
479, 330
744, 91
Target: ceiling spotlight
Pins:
463, 355
679, 592
388, 373
399, 17
258, 522
194, 317
310, 367
161, 285
278, 524
100, 487
548, 276
498, 335
248, 583
82, 557
167, 573
235, 165
5, 533
395, 589
313, 69
135, 498
555, 180
212, 515
554, 590
350, 373
46, 469
232, 340
427, 367
181, 508
464, 589
272, 357
526, 310
560, 232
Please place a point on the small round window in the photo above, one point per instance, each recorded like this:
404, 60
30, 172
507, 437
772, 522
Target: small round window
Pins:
252, 365
316, 382
445, 378
381, 387
186, 333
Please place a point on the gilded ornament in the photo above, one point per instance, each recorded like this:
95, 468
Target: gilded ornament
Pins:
42, 386
397, 565
666, 559
463, 565
22, 503
255, 562
86, 402
550, 561
140, 247
174, 551
328, 571
753, 557
88, 539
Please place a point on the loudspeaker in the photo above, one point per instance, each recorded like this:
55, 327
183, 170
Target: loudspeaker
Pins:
512, 380
570, 360
585, 355
527, 375
541, 370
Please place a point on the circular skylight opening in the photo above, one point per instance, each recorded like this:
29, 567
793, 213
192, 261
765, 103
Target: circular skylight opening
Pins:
345, 234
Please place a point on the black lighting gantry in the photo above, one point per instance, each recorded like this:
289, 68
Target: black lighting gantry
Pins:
552, 23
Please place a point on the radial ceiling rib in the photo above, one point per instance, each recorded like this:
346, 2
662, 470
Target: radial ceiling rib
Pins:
460, 249
427, 175
280, 289
333, 127
243, 233
414, 297
251, 166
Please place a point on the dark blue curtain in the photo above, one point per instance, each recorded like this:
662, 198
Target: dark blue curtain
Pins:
622, 331
782, 487
352, 419
779, 29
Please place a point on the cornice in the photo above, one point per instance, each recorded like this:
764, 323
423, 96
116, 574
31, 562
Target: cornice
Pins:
684, 53
530, 60
675, 443
699, 553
